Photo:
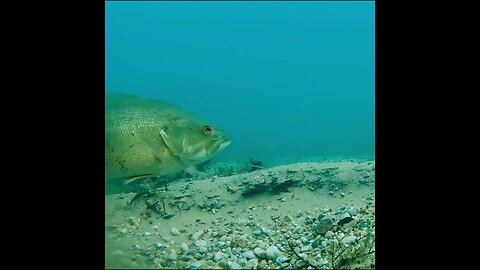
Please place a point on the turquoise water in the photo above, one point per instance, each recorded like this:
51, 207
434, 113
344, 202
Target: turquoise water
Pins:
284, 79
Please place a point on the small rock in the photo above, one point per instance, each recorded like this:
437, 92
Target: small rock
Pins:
200, 243
329, 234
233, 265
221, 232
184, 247
117, 252
257, 232
219, 255
242, 222
344, 218
228, 251
147, 233
172, 256
261, 244
259, 252
349, 239
266, 231
175, 231
196, 264
325, 224
249, 255
272, 252
306, 248
262, 264
183, 264
280, 260
252, 264
196, 236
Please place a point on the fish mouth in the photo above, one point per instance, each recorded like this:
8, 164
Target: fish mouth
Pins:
224, 144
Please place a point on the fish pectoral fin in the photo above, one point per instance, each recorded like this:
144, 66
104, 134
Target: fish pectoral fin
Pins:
137, 177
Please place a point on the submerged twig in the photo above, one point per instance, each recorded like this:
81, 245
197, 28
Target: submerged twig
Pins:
300, 257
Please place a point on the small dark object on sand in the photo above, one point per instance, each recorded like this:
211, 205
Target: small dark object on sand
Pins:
255, 165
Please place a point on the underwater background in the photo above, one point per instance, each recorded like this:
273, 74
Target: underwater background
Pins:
293, 86
286, 80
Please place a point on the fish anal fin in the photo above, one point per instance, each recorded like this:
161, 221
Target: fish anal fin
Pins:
137, 177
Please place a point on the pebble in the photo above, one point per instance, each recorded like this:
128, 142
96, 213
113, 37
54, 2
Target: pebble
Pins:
252, 263
196, 264
175, 231
147, 233
349, 239
324, 225
262, 264
200, 243
117, 252
329, 234
266, 231
196, 236
280, 260
344, 218
222, 263
233, 265
221, 232
242, 222
228, 251
306, 248
184, 247
172, 256
259, 252
272, 252
183, 264
249, 254
219, 255
242, 261
261, 244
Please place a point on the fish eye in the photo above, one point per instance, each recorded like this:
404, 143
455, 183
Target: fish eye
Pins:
207, 130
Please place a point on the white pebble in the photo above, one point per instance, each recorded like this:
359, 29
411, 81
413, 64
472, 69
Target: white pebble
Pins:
184, 247
349, 239
197, 235
252, 263
306, 248
200, 243
175, 231
228, 251
218, 256
196, 264
259, 252
147, 233
233, 265
261, 244
242, 222
249, 255
281, 260
272, 252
